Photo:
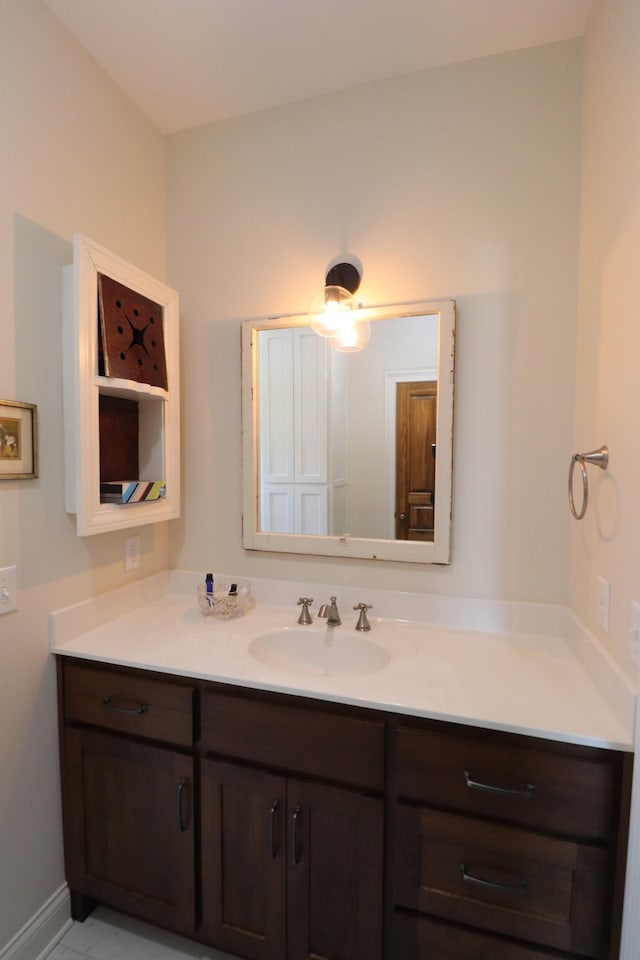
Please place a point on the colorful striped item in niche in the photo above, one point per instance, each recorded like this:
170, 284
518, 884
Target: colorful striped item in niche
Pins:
132, 491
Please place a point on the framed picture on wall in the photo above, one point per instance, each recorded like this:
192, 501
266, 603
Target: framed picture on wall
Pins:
18, 440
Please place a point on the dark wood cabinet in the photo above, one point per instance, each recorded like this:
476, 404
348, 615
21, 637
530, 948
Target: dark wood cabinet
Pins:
290, 868
277, 827
292, 857
505, 846
129, 826
128, 785
334, 873
243, 860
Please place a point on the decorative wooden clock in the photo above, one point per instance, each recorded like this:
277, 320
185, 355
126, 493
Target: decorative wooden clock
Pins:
131, 334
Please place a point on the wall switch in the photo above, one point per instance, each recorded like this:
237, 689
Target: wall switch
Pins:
131, 554
635, 633
604, 603
8, 589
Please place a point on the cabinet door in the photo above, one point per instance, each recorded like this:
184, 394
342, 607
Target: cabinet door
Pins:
243, 860
129, 826
334, 883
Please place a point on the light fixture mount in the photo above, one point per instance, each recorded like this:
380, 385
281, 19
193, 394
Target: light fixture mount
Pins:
334, 313
344, 275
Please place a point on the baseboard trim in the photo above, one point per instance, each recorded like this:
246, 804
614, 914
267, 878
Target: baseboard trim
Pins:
40, 934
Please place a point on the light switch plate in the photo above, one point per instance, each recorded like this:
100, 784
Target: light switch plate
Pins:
131, 554
8, 589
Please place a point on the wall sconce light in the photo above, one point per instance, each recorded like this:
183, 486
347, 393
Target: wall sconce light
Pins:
334, 312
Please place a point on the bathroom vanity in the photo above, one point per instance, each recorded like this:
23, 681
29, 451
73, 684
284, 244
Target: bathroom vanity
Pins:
304, 818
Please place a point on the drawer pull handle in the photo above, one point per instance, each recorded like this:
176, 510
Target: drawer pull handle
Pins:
133, 711
274, 828
520, 887
295, 836
182, 826
525, 792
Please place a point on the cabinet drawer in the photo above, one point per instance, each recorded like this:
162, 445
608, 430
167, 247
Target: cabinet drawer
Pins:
421, 938
501, 878
568, 792
299, 739
129, 703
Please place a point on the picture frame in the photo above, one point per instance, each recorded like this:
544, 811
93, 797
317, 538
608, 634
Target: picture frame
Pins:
18, 440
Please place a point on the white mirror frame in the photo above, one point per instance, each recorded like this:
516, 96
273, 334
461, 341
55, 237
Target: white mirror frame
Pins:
436, 551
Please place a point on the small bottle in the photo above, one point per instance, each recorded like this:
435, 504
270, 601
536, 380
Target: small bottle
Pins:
209, 585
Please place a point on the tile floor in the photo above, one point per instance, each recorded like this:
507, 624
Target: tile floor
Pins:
107, 935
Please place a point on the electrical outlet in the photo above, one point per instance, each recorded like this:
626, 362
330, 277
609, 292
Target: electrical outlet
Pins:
8, 590
604, 604
635, 633
131, 554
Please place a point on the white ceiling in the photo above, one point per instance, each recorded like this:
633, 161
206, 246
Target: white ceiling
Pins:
189, 62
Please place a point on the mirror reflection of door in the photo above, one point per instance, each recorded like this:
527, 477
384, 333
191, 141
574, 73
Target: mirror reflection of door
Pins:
292, 431
416, 405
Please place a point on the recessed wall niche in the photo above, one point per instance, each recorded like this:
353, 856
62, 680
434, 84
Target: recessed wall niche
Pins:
120, 392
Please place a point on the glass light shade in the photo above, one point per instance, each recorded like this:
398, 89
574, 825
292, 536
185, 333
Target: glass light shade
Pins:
327, 310
352, 336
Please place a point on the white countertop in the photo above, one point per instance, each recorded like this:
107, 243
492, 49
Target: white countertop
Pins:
526, 683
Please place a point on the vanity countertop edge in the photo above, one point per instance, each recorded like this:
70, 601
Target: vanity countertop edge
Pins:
529, 683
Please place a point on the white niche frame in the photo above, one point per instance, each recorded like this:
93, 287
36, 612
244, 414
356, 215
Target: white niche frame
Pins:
159, 409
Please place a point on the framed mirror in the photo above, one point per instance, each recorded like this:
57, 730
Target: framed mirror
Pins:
350, 454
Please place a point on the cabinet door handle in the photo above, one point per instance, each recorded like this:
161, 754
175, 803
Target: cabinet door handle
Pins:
295, 836
273, 813
525, 792
108, 705
182, 826
520, 887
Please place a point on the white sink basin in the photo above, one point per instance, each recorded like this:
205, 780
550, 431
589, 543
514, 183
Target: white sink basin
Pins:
319, 650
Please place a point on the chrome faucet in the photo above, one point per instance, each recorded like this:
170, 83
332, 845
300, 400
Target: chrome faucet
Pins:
330, 612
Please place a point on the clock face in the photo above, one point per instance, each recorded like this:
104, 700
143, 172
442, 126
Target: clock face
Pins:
131, 334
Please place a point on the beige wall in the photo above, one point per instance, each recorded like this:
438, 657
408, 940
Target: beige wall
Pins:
74, 156
459, 182
607, 395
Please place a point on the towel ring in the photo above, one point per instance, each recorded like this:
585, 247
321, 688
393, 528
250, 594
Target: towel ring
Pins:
600, 458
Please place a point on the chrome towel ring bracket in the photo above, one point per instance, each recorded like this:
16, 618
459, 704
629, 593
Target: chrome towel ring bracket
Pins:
600, 458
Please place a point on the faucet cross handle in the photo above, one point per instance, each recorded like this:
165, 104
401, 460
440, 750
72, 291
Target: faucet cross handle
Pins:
305, 616
363, 622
